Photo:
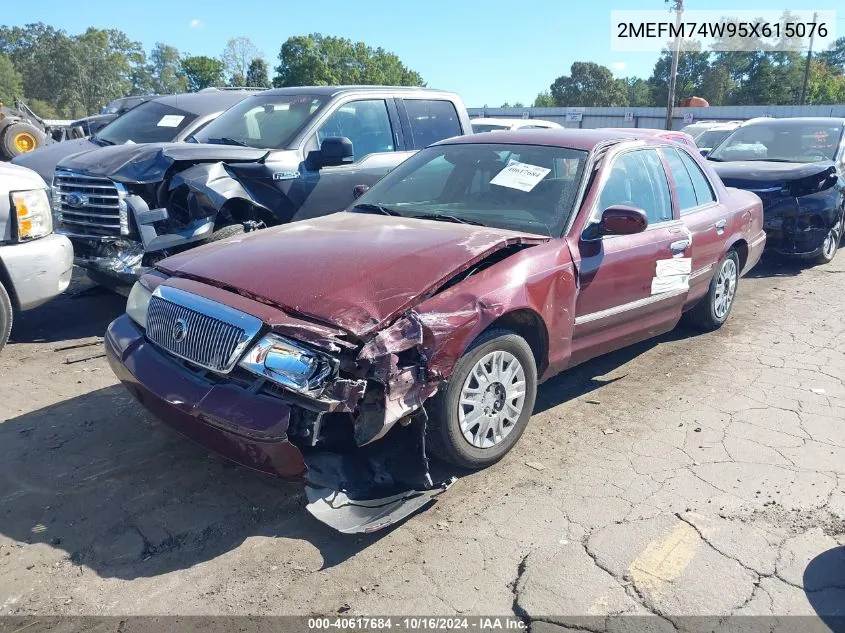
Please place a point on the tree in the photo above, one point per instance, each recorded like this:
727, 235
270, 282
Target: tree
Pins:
835, 55
258, 74
692, 65
588, 84
166, 70
325, 60
236, 58
11, 83
110, 65
544, 100
639, 93
717, 84
824, 85
202, 71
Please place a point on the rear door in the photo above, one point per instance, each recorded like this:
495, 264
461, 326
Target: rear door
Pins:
426, 121
630, 287
372, 124
701, 213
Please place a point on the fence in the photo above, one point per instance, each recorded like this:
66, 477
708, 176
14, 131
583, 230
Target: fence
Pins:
654, 117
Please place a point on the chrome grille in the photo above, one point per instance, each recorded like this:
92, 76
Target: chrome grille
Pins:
201, 331
89, 205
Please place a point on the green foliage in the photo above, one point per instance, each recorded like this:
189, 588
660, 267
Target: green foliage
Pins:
202, 71
835, 56
588, 84
692, 65
236, 58
638, 90
544, 100
258, 74
11, 83
42, 109
318, 60
165, 70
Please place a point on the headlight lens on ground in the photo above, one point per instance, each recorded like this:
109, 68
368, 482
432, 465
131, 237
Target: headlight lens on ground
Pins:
136, 305
32, 213
287, 363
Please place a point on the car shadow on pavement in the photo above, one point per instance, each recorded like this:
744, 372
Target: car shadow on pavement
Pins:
824, 585
84, 311
100, 479
773, 265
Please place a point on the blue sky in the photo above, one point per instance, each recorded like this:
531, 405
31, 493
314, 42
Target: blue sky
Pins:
490, 52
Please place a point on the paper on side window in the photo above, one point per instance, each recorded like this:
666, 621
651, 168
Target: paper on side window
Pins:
170, 120
520, 176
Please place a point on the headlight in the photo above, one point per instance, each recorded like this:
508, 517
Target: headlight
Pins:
287, 363
32, 213
136, 305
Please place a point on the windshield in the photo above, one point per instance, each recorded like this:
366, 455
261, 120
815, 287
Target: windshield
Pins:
526, 188
478, 128
150, 122
262, 121
711, 138
794, 141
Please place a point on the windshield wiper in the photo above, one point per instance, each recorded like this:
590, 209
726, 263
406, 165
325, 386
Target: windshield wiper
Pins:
446, 218
377, 208
101, 141
226, 140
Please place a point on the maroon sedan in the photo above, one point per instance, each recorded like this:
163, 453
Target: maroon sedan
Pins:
341, 350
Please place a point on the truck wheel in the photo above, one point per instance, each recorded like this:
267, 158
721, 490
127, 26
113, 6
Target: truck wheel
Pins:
5, 317
20, 138
483, 409
714, 308
226, 232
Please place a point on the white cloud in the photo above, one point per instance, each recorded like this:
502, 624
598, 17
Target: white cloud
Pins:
619, 65
195, 23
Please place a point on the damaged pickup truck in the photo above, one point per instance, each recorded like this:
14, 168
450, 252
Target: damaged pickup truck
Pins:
796, 166
342, 350
278, 156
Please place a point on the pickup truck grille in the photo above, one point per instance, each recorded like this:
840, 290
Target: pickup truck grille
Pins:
89, 205
198, 330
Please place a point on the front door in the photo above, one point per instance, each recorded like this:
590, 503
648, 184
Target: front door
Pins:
373, 127
631, 287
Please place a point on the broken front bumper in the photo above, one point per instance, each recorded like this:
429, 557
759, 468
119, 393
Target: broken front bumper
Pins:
251, 429
111, 263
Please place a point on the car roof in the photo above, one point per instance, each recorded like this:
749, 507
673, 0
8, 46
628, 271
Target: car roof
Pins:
584, 139
818, 120
331, 91
511, 121
202, 103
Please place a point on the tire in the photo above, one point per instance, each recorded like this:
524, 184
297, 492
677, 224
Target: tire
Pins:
20, 138
708, 314
831, 245
445, 436
5, 316
226, 232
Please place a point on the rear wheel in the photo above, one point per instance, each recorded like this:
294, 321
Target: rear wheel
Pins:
714, 308
487, 402
20, 138
5, 317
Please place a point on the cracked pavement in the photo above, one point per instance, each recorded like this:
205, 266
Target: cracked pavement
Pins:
694, 475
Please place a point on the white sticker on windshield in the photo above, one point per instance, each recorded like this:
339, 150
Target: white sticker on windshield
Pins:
520, 176
170, 120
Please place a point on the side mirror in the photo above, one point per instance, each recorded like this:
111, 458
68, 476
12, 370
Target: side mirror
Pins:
336, 150
622, 220
359, 190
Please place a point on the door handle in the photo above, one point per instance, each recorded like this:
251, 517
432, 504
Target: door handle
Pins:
679, 247
720, 226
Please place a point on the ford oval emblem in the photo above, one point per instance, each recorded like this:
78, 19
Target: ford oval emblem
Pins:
180, 330
76, 200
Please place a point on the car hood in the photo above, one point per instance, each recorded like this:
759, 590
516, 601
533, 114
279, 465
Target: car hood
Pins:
18, 178
759, 175
149, 162
44, 159
356, 271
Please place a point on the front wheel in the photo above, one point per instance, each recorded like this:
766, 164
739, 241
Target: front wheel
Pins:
5, 316
714, 308
830, 245
485, 406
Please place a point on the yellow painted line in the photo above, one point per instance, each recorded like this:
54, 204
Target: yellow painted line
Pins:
665, 560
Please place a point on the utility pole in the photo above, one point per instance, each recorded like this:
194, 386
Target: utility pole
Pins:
807, 65
673, 74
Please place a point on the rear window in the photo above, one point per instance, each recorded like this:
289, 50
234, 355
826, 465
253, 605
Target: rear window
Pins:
432, 121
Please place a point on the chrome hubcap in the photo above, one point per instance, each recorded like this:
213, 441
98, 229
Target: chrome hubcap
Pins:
492, 399
725, 288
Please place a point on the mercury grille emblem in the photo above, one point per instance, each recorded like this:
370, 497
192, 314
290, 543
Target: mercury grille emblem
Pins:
180, 330
76, 200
